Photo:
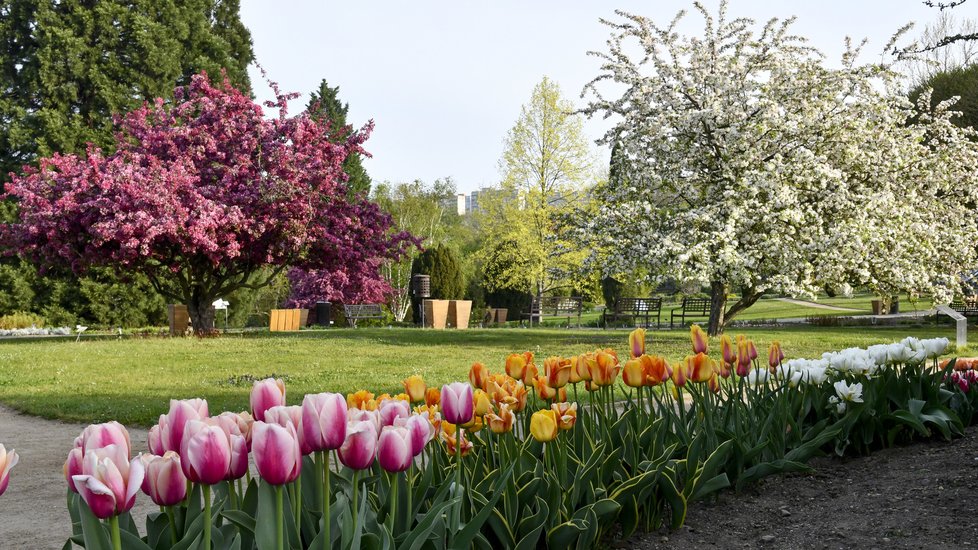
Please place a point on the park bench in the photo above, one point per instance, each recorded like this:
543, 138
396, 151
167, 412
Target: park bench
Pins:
355, 312
634, 309
691, 307
966, 308
554, 306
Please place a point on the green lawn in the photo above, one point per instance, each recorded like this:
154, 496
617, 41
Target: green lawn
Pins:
132, 380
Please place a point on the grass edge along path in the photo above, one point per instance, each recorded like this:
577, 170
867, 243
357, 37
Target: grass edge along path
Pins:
132, 380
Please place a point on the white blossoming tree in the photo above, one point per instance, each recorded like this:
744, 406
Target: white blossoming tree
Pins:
751, 167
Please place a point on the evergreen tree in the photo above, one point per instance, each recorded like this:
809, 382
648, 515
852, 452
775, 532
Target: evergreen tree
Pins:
67, 67
442, 264
324, 104
961, 82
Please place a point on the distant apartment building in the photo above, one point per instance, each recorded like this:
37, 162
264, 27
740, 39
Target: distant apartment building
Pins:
467, 204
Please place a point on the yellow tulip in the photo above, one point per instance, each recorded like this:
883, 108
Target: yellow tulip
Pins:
356, 400
543, 425
633, 374
636, 340
481, 403
414, 387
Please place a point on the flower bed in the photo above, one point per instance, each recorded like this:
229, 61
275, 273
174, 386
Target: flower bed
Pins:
553, 455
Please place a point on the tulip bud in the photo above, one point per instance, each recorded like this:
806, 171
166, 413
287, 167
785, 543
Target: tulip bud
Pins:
414, 387
394, 449
154, 440
357, 452
604, 368
543, 425
173, 424
636, 340
323, 421
516, 365
164, 482
456, 402
96, 436
481, 403
679, 375
727, 350
656, 369
699, 339
558, 371
359, 399
266, 394
774, 355
7, 461
276, 450
699, 368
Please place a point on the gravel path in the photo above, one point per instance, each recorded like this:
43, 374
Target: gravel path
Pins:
815, 305
32, 511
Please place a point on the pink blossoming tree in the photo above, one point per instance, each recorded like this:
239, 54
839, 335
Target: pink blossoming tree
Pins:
205, 196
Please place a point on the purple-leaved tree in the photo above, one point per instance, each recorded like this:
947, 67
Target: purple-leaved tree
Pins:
205, 195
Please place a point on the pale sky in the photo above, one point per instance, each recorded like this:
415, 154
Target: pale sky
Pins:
444, 80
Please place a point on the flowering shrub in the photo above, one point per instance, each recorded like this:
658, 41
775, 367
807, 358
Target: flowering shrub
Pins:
552, 455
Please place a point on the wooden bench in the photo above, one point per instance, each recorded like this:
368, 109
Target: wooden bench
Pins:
691, 307
554, 306
634, 309
355, 312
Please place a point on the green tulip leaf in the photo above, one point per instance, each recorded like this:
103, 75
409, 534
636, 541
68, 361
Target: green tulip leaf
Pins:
95, 535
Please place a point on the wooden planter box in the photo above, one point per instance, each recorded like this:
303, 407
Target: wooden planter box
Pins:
436, 313
179, 319
459, 312
284, 320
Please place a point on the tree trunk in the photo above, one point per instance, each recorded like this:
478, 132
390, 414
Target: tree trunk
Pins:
718, 307
201, 310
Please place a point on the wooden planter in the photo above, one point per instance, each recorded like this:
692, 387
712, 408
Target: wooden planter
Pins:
459, 312
284, 320
179, 319
436, 313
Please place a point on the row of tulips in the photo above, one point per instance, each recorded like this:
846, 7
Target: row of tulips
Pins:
490, 463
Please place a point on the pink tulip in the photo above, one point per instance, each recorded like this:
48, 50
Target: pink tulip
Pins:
357, 451
173, 424
109, 482
7, 461
394, 449
155, 440
288, 415
357, 415
96, 436
276, 450
421, 431
323, 423
164, 482
266, 394
456, 403
205, 453
391, 409
239, 458
73, 467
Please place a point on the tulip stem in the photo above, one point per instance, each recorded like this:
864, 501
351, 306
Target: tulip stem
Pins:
173, 525
207, 517
458, 478
297, 504
324, 459
410, 495
116, 536
279, 517
391, 519
355, 513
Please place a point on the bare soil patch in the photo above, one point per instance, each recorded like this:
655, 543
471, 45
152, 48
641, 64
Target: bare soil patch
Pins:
920, 496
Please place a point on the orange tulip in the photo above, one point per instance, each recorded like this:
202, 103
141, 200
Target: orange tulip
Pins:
432, 397
561, 395
480, 403
358, 399
543, 390
655, 369
714, 384
633, 374
503, 422
699, 338
722, 368
774, 355
558, 371
604, 369
508, 391
452, 444
474, 425
566, 414
636, 340
414, 387
582, 366
700, 368
478, 375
